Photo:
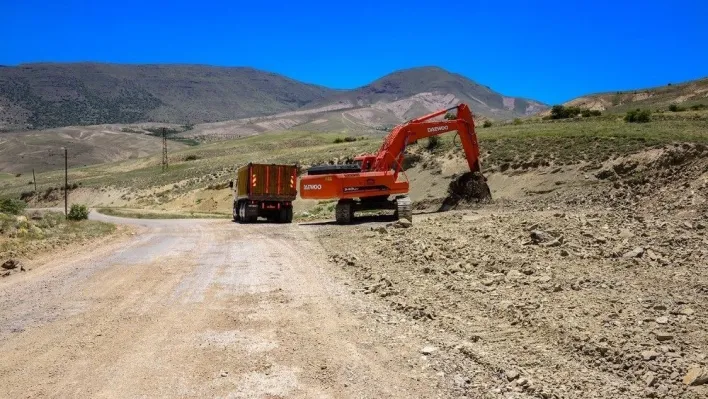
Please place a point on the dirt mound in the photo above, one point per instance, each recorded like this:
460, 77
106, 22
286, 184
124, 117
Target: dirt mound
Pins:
470, 187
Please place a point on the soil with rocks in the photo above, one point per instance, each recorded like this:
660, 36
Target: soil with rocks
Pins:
594, 290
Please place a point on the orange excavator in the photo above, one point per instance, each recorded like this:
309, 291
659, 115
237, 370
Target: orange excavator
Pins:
370, 182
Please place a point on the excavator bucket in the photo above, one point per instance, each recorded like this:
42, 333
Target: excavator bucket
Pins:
469, 187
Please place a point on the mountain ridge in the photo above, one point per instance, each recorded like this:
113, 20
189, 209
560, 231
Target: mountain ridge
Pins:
49, 94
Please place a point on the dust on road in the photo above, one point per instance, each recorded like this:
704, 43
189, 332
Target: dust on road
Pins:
200, 309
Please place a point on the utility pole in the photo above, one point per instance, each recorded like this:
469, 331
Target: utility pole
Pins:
34, 179
66, 184
164, 149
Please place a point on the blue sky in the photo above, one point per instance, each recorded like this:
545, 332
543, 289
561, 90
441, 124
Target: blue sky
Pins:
547, 50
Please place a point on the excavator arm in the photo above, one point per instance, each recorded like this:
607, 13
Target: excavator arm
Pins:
392, 151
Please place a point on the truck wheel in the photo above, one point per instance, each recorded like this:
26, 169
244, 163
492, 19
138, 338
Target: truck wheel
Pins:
242, 213
289, 218
235, 212
282, 215
344, 213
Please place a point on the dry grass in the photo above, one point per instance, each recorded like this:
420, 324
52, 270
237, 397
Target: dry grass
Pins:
23, 237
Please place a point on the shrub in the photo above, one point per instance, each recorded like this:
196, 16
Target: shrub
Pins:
517, 121
12, 206
698, 107
450, 116
338, 140
78, 212
191, 157
563, 112
590, 112
410, 160
350, 139
638, 116
487, 124
433, 143
676, 108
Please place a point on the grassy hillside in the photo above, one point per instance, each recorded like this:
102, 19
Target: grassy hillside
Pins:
141, 183
685, 95
42, 150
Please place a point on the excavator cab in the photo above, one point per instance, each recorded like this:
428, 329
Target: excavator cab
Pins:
365, 162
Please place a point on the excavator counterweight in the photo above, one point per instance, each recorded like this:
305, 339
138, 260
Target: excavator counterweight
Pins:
374, 182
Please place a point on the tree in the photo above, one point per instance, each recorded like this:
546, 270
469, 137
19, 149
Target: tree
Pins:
558, 112
563, 112
487, 124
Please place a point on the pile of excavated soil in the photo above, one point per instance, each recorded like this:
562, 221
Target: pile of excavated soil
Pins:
470, 187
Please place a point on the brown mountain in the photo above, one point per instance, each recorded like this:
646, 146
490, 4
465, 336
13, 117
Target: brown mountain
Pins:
47, 95
422, 89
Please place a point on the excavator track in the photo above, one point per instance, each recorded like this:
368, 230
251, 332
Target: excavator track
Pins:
404, 208
344, 212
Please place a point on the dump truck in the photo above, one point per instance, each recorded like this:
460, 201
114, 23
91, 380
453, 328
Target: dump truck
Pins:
265, 191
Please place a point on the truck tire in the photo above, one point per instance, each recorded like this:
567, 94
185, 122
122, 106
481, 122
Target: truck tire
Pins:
282, 216
344, 212
289, 218
235, 212
242, 213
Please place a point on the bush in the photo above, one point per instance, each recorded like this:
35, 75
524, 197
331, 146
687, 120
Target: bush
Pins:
563, 112
588, 113
487, 124
338, 140
12, 206
350, 139
433, 143
638, 116
410, 160
450, 116
517, 121
78, 212
698, 107
191, 157
676, 108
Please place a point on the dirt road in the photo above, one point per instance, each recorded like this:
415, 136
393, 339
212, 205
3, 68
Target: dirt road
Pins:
200, 309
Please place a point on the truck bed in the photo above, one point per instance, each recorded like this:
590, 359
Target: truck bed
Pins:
267, 182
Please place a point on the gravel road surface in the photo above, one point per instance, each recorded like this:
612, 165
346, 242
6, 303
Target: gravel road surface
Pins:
200, 308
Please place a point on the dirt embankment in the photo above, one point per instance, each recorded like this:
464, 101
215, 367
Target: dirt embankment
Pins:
589, 291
